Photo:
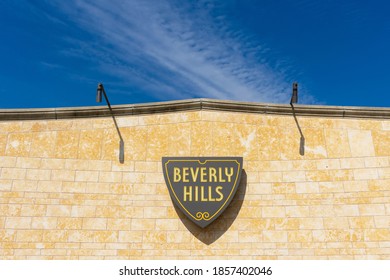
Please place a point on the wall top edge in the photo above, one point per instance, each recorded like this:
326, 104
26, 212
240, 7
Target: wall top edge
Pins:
193, 105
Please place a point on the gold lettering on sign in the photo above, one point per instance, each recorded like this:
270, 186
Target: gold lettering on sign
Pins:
176, 175
187, 193
229, 175
202, 193
185, 175
203, 174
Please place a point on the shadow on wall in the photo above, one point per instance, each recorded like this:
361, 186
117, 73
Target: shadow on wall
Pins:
302, 139
215, 230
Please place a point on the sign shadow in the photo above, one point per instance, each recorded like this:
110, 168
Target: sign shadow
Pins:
215, 230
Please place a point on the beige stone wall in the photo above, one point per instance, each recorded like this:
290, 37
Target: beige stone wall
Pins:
64, 195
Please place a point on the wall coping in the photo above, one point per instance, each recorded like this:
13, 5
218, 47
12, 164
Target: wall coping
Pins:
194, 105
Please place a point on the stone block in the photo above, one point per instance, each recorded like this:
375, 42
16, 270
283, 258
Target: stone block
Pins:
87, 176
297, 211
314, 146
90, 144
341, 175
94, 223
143, 224
377, 235
18, 223
6, 161
372, 209
300, 236
336, 223
38, 174
18, 144
5, 185
130, 237
155, 212
269, 142
58, 211
326, 164
382, 222
355, 186
136, 143
346, 210
273, 211
13, 173
125, 121
154, 237
250, 236
274, 236
49, 186
67, 223
337, 143
154, 178
318, 176
290, 144
361, 222
311, 223
137, 178
286, 224
384, 173
63, 175
29, 235
44, 223
26, 162
53, 163
381, 140
43, 144
331, 187
73, 187
119, 224
179, 139
33, 210
83, 211
67, 144
55, 236
360, 142
97, 188
265, 177
110, 177
366, 174
3, 143
307, 187
24, 186
294, 176
322, 211
352, 163
167, 225
158, 142
201, 143
146, 166
377, 162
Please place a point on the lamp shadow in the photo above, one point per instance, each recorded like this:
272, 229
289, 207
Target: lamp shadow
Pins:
215, 230
121, 156
302, 139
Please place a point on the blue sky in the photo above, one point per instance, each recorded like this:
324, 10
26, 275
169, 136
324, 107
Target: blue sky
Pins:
54, 53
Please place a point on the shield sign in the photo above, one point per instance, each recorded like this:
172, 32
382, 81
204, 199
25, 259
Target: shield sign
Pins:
202, 187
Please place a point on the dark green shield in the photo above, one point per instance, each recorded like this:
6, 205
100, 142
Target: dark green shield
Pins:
202, 187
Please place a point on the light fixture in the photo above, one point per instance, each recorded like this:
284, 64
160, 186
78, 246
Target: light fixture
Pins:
294, 97
99, 93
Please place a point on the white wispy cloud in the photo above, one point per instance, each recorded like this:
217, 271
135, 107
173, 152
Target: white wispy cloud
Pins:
173, 50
